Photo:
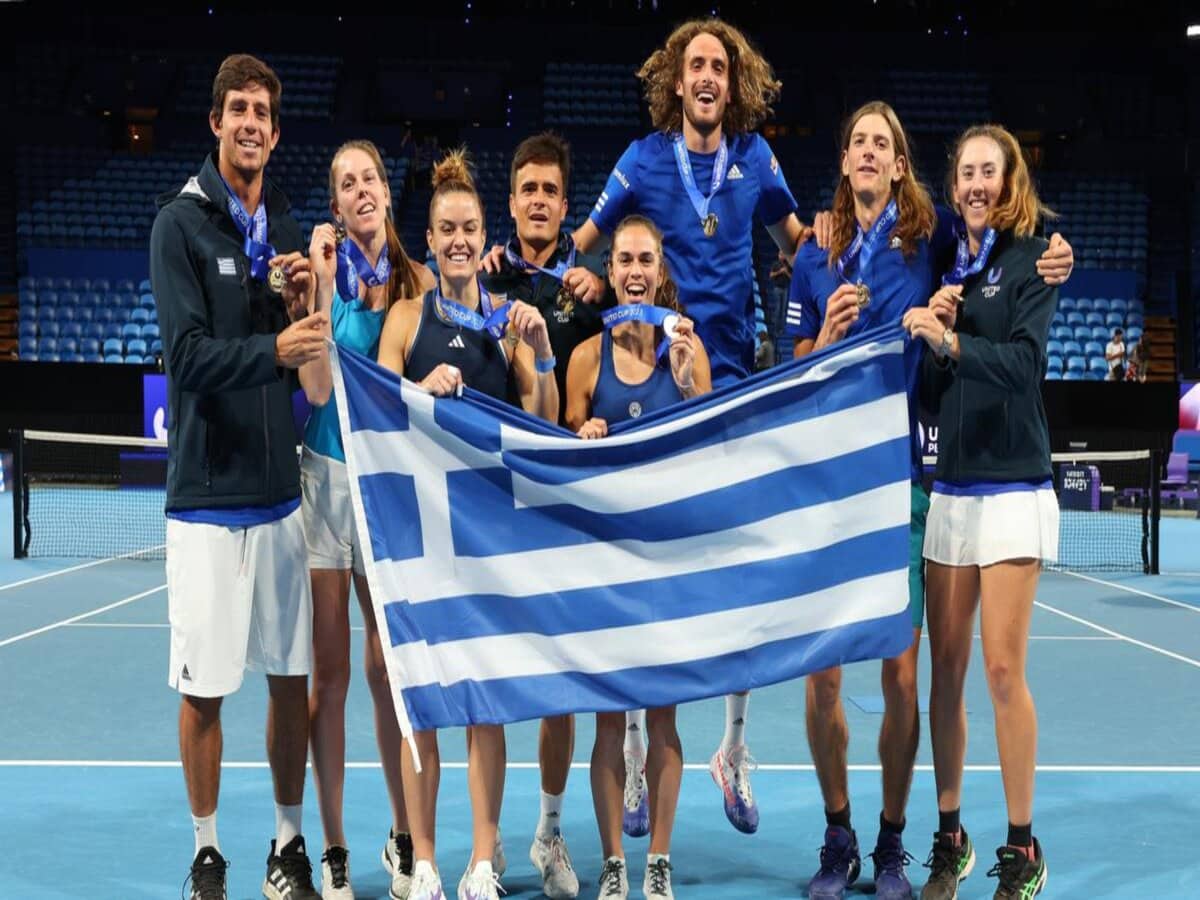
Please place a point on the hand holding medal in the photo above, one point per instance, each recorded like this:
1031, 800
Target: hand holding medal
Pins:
680, 331
841, 311
322, 253
945, 303
291, 275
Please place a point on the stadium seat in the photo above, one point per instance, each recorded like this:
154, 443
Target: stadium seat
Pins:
139, 316
92, 358
68, 346
1083, 333
1066, 304
27, 346
1100, 305
114, 358
1093, 348
70, 329
47, 345
1074, 364
47, 298
47, 328
147, 301
149, 331
1114, 320
1052, 375
144, 286
1098, 364
1101, 334
27, 329
1054, 348
136, 347
130, 331
111, 346
134, 358
1054, 364
89, 346
1094, 318
1075, 319
1069, 375
1132, 333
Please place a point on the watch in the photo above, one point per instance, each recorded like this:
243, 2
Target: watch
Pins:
948, 339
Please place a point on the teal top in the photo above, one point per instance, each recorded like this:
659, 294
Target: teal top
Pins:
358, 328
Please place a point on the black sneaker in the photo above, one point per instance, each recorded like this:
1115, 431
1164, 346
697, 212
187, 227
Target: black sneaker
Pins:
289, 875
1021, 878
207, 875
948, 865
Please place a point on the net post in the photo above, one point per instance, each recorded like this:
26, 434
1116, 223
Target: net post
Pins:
18, 492
1155, 507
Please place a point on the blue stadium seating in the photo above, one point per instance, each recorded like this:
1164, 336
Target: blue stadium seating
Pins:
111, 346
1076, 364
136, 347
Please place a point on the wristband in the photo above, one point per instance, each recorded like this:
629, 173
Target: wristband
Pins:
545, 365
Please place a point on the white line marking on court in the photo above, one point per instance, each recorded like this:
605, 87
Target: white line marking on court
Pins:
1121, 587
1119, 636
694, 767
86, 565
159, 625
86, 615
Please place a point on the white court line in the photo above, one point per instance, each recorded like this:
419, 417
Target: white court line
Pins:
86, 565
86, 615
1119, 636
1120, 587
694, 767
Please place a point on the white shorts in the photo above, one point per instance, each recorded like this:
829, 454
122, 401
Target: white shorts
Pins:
329, 528
980, 531
237, 598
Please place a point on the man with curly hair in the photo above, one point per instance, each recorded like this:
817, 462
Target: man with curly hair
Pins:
702, 177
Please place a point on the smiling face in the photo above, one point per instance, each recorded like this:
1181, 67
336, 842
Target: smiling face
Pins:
244, 132
636, 269
362, 197
978, 181
704, 83
456, 235
870, 161
538, 203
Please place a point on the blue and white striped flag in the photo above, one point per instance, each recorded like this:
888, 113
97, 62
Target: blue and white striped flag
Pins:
745, 538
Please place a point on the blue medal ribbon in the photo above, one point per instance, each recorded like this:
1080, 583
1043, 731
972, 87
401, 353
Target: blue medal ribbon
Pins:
641, 312
864, 245
493, 320
353, 265
512, 253
700, 202
964, 268
254, 233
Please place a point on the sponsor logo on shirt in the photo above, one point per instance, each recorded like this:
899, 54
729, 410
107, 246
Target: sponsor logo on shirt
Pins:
895, 242
992, 288
774, 165
226, 266
620, 176
457, 343
635, 409
994, 275
735, 173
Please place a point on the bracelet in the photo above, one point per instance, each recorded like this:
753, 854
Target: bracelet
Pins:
545, 365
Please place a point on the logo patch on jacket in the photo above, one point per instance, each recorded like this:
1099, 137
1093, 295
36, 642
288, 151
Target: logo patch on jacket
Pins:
226, 266
992, 288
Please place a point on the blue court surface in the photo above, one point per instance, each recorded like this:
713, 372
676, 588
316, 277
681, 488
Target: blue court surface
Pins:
92, 801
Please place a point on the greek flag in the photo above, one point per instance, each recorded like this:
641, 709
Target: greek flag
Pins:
744, 538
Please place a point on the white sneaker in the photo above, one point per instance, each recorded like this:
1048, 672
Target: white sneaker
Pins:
335, 874
657, 884
550, 858
635, 821
480, 883
426, 883
731, 771
499, 861
614, 880
397, 859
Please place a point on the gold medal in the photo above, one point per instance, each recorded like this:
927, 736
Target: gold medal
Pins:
339, 233
275, 279
862, 295
565, 301
710, 224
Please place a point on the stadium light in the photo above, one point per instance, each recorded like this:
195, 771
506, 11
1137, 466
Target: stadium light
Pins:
1193, 31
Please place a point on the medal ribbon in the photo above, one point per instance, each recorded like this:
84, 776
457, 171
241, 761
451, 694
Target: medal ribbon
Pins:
700, 202
254, 233
352, 265
864, 245
963, 267
641, 312
518, 262
493, 321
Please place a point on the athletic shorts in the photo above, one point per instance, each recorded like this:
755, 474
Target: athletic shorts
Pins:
916, 557
980, 531
237, 598
329, 528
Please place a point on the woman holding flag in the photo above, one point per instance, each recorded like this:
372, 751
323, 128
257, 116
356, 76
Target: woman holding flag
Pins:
361, 269
451, 337
993, 514
616, 375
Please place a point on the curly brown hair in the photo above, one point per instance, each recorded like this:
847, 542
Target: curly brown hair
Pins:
1019, 207
916, 217
753, 86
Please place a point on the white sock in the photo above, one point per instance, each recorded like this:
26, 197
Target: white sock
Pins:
652, 858
548, 825
205, 828
287, 824
735, 720
635, 733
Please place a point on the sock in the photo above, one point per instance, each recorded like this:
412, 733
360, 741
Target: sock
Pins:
735, 720
205, 828
839, 818
287, 824
652, 858
548, 824
1021, 836
948, 823
635, 733
886, 827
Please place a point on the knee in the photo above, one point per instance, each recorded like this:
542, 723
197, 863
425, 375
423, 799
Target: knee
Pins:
202, 711
900, 684
377, 675
825, 690
330, 674
1005, 681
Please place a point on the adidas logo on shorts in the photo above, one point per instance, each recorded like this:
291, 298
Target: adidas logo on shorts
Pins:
457, 343
185, 675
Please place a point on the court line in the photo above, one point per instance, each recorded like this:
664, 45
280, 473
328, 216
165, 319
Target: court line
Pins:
86, 615
692, 767
1123, 637
1121, 587
86, 565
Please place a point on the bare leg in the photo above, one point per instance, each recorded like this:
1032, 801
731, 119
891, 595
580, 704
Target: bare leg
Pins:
664, 773
327, 700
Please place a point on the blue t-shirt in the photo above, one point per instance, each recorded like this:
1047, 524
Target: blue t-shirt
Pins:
714, 274
358, 328
897, 284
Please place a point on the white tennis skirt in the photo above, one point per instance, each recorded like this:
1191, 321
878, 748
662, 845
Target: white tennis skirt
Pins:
980, 531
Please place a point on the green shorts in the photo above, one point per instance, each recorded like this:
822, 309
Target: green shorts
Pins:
916, 559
